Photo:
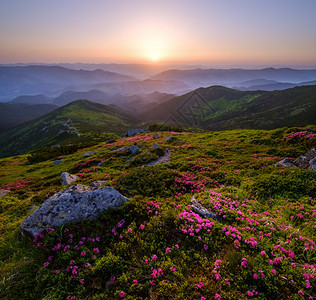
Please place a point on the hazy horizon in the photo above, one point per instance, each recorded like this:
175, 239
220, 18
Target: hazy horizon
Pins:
214, 34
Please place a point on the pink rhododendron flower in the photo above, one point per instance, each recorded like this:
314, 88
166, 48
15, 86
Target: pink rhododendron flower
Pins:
200, 284
122, 294
273, 271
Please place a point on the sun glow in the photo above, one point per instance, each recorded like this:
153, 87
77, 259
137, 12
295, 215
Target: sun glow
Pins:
154, 57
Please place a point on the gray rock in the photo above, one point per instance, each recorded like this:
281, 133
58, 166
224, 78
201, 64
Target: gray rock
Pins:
3, 192
68, 178
155, 146
90, 153
161, 160
311, 154
109, 141
57, 162
286, 162
306, 161
312, 164
156, 136
133, 149
203, 211
169, 139
100, 164
301, 162
73, 204
131, 132
98, 183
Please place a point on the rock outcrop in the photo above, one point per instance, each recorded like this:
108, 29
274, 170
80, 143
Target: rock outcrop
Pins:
131, 132
98, 183
202, 211
133, 149
3, 192
90, 153
57, 162
169, 139
162, 159
68, 178
286, 162
307, 161
73, 204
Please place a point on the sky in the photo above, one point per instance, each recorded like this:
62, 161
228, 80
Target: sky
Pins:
213, 32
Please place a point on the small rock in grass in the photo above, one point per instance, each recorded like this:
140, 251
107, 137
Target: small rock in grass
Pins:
286, 162
3, 192
68, 178
57, 162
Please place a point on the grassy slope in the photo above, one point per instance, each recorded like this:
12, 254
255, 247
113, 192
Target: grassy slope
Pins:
233, 109
14, 114
228, 171
220, 100
92, 120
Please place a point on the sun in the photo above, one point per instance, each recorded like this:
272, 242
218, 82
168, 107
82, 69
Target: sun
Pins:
154, 57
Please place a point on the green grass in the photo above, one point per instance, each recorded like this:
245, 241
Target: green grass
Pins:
230, 172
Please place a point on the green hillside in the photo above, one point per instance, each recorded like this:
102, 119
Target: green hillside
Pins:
218, 108
13, 114
78, 122
262, 243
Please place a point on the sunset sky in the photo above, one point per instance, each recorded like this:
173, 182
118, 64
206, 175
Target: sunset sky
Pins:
213, 32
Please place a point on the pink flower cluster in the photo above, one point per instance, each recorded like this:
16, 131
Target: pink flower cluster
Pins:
16, 184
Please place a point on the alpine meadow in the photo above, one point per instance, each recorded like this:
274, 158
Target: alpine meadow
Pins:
158, 150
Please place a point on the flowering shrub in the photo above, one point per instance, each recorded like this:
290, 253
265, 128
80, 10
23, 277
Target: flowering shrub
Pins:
16, 184
86, 164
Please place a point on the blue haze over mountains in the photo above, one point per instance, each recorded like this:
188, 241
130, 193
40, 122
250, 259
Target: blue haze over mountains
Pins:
104, 83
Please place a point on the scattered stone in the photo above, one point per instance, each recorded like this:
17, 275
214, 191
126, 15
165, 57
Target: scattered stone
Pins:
169, 139
155, 146
33, 207
73, 204
302, 162
133, 149
57, 162
100, 164
131, 132
68, 178
202, 211
98, 183
90, 153
286, 162
3, 192
307, 161
156, 136
312, 164
109, 141
161, 160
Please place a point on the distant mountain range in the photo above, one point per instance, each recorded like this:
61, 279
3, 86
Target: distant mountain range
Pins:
50, 80
235, 77
269, 85
77, 122
53, 81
